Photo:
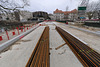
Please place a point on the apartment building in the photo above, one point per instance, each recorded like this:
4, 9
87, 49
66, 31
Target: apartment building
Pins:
65, 15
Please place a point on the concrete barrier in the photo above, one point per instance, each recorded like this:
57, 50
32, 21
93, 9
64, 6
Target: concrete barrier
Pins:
10, 42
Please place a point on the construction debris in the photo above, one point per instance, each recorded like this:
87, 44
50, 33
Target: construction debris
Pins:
60, 46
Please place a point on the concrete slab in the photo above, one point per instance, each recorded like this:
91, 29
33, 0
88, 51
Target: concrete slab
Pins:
92, 40
63, 57
18, 54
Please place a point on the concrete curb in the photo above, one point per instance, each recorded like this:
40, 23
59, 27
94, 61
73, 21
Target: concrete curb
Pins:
13, 40
98, 34
76, 37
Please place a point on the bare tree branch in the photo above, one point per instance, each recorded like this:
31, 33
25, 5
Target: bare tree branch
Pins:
14, 6
5, 7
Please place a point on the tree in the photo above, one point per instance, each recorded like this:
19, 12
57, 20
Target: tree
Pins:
92, 9
9, 6
90, 14
12, 4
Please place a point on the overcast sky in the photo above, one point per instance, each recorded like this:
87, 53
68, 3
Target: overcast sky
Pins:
51, 5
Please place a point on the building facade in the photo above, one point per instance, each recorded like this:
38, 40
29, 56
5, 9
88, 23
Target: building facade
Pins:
40, 14
73, 15
16, 16
59, 15
7, 16
52, 17
25, 15
65, 15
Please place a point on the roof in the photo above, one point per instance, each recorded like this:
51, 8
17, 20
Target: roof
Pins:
65, 12
50, 14
58, 11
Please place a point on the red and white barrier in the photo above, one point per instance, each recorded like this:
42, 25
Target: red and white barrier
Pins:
7, 35
13, 33
27, 28
1, 38
24, 29
21, 30
17, 30
10, 42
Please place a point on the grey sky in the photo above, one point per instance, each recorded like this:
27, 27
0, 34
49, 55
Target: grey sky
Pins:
51, 5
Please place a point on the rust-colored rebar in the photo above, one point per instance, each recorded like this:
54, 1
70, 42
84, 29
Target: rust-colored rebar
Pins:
40, 55
87, 56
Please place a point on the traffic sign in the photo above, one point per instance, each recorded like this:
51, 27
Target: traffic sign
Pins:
82, 17
81, 8
81, 12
